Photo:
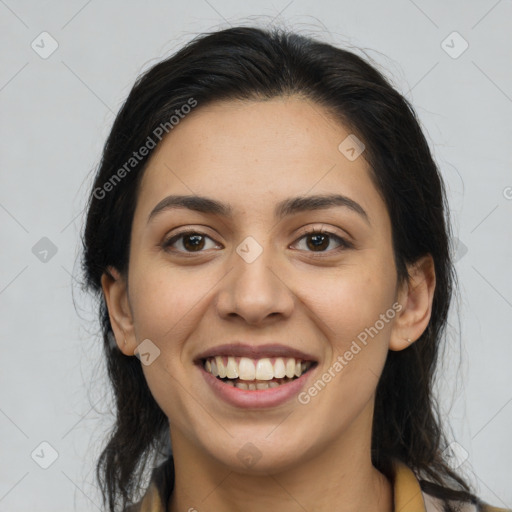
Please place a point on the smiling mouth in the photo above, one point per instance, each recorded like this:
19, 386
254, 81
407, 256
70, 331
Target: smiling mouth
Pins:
256, 374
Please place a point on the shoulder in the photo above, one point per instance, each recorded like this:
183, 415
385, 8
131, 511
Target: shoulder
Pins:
433, 504
407, 489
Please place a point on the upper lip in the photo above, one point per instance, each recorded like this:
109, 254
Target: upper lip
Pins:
254, 351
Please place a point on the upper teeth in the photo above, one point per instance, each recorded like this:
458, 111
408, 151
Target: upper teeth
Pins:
255, 369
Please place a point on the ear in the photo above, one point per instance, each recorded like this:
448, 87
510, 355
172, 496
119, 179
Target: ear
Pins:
415, 296
115, 291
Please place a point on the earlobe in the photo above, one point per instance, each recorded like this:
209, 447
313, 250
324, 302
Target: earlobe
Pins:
116, 297
416, 297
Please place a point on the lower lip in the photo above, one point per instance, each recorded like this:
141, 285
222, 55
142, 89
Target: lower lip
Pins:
257, 398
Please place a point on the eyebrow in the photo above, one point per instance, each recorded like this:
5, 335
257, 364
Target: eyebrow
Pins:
284, 208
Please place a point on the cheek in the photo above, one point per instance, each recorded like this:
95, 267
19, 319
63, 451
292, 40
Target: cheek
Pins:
167, 308
357, 308
166, 305
348, 302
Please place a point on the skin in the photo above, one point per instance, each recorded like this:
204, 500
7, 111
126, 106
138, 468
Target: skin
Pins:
314, 456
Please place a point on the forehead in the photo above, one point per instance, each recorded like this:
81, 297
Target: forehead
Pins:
253, 154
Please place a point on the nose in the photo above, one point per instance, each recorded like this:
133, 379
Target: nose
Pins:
255, 291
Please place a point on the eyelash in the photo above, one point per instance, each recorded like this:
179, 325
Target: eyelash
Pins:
344, 244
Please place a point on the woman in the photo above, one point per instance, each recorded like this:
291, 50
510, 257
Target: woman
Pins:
269, 240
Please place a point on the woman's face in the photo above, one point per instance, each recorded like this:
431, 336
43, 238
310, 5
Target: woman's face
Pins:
251, 284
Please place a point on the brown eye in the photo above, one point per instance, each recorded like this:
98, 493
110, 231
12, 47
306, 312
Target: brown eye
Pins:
193, 242
190, 241
318, 241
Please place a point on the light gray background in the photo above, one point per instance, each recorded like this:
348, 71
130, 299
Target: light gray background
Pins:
55, 115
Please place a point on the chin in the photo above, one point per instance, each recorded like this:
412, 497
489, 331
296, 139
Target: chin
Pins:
255, 455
